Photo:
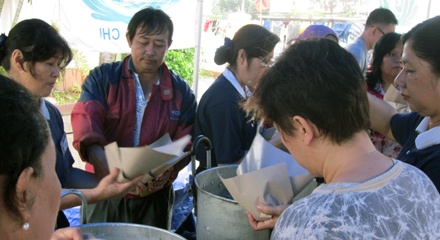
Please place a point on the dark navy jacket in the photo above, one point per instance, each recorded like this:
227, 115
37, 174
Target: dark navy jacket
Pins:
404, 127
220, 118
64, 162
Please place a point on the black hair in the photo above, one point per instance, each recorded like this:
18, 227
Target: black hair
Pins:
318, 80
425, 39
24, 136
384, 46
151, 21
256, 41
38, 41
381, 16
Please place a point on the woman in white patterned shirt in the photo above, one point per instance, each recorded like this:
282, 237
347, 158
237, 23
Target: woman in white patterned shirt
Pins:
315, 96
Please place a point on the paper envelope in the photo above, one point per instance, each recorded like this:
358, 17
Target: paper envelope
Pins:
151, 160
266, 175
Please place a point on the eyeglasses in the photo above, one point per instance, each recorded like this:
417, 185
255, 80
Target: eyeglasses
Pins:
266, 63
380, 30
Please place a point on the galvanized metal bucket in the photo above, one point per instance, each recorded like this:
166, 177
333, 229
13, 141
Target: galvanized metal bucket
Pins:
218, 215
119, 231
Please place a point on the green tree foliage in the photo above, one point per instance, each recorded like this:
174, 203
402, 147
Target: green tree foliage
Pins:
2, 71
80, 61
181, 61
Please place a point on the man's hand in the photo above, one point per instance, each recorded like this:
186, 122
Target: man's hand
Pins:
275, 211
159, 182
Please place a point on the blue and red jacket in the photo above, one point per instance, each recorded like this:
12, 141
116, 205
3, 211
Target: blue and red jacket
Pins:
106, 110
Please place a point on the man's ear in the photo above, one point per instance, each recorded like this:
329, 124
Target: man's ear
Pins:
128, 39
305, 129
373, 31
23, 187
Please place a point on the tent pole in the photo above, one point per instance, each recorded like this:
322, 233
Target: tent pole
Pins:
199, 14
17, 12
429, 9
2, 2
261, 7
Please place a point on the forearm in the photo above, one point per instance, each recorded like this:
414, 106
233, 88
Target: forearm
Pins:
96, 156
380, 116
108, 188
79, 178
88, 118
72, 200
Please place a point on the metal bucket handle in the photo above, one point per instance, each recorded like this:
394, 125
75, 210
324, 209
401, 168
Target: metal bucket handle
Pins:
83, 202
208, 146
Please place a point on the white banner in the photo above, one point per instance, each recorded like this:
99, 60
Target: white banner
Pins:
409, 12
101, 25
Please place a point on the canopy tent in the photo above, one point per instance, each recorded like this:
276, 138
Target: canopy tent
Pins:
409, 12
100, 25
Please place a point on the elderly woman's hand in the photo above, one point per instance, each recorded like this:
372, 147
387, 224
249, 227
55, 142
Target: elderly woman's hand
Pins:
274, 211
70, 233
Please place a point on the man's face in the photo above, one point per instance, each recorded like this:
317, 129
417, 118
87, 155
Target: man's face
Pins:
148, 51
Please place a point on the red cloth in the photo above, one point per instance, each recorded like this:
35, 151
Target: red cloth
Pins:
262, 5
207, 24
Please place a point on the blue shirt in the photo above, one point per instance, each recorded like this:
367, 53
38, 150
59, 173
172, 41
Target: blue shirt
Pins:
359, 50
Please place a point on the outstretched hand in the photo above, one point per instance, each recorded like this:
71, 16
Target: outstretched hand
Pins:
109, 187
274, 211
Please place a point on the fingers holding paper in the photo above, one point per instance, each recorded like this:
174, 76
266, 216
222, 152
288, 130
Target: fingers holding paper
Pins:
160, 181
274, 211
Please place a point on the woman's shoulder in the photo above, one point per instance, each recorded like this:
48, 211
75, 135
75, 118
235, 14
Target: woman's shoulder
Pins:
222, 90
406, 120
53, 110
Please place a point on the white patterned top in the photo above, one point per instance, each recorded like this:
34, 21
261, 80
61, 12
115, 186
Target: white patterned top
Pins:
402, 203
